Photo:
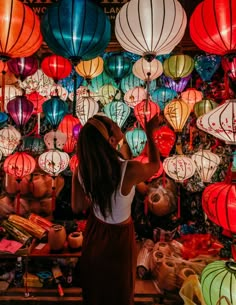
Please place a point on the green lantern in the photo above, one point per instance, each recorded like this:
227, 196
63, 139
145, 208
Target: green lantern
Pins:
178, 66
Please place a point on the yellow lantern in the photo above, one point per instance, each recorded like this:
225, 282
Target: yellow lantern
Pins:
89, 69
178, 66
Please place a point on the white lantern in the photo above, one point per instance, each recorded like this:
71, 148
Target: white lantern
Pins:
9, 139
206, 163
150, 28
147, 71
135, 95
86, 107
55, 139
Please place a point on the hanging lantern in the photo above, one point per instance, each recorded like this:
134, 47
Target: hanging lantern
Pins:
56, 67
54, 110
82, 91
73, 80
9, 140
99, 81
37, 100
214, 33
117, 111
136, 139
55, 139
145, 110
19, 165
218, 280
152, 28
204, 106
165, 139
144, 159
76, 130
129, 82
3, 118
220, 122
108, 93
178, 86
77, 30
147, 71
73, 163
163, 96
23, 66
69, 145
229, 66
67, 124
20, 30
86, 107
9, 92
58, 91
191, 96
134, 96
53, 163
177, 113
33, 145
89, 69
178, 66
206, 65
206, 163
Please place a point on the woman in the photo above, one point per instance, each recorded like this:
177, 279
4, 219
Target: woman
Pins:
105, 182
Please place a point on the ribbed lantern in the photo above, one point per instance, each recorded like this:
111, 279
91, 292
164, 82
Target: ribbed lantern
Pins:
9, 139
165, 139
206, 163
8, 93
178, 66
218, 282
89, 69
191, 96
33, 145
23, 66
214, 32
162, 96
177, 112
134, 96
229, 66
77, 30
145, 110
72, 81
204, 106
129, 82
206, 65
178, 86
37, 100
99, 81
149, 28
55, 139
20, 34
118, 111
108, 93
136, 139
86, 107
220, 122
147, 71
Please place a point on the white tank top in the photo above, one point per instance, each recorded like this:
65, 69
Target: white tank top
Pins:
121, 205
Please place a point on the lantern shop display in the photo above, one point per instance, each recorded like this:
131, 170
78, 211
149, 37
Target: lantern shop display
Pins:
89, 69
117, 111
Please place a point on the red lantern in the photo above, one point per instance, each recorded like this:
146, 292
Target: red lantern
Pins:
37, 99
67, 124
69, 145
56, 67
73, 163
229, 66
165, 139
19, 165
145, 110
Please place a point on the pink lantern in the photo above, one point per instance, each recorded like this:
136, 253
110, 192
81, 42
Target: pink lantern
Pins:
55, 139
191, 96
165, 139
144, 159
9, 139
86, 107
147, 71
135, 95
145, 110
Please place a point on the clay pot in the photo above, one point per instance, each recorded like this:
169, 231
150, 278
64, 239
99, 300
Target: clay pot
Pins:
75, 240
56, 238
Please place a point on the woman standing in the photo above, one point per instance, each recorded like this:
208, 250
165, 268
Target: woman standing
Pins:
105, 182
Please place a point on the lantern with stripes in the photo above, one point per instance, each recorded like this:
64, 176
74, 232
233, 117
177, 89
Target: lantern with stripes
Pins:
89, 69
178, 66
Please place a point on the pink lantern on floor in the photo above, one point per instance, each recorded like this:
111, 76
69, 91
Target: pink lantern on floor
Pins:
9, 139
145, 110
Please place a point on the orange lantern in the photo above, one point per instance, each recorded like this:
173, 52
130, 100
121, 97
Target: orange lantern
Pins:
191, 96
89, 69
145, 110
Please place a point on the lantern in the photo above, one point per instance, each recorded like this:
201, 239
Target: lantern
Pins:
3, 118
55, 139
86, 107
206, 163
162, 96
117, 111
67, 124
23, 66
33, 145
9, 139
178, 66
54, 110
229, 66
89, 69
206, 65
99, 81
53, 162
214, 33
69, 145
165, 139
108, 93
76, 130
204, 106
136, 139
150, 28
37, 100
8, 93
147, 71
19, 165
145, 110
218, 280
20, 30
73, 163
82, 91
191, 96
135, 95
129, 82
178, 86
56, 67
177, 112
144, 159
77, 30
220, 122
71, 82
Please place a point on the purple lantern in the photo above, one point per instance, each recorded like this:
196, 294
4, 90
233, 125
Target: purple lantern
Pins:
76, 130
23, 67
178, 86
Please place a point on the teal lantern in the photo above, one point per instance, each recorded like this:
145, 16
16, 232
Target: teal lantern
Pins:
99, 81
136, 139
33, 145
118, 112
54, 110
206, 65
163, 95
76, 29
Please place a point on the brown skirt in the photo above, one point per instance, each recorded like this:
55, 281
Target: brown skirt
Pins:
108, 263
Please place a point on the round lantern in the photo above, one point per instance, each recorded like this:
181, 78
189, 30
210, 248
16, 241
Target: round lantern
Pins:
214, 33
86, 107
178, 86
77, 30
191, 96
108, 93
178, 66
37, 100
89, 69
76, 130
204, 106
8, 93
165, 139
150, 28
218, 282
145, 110
9, 140
177, 112
135, 95
117, 111
162, 96
220, 122
67, 124
20, 30
23, 66
136, 139
147, 71
206, 65
33, 145
73, 163
229, 66
56, 67
99, 81
206, 163
129, 82
55, 139
82, 91
3, 118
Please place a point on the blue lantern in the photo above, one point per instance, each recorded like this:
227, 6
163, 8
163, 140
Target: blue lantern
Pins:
74, 79
99, 81
76, 29
163, 95
136, 139
117, 111
206, 65
130, 81
3, 118
54, 110
33, 145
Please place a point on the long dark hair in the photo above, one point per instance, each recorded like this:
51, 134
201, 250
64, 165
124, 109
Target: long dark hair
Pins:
99, 165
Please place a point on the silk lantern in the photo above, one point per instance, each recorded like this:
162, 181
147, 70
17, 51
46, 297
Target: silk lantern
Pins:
206, 163
7, 93
129, 82
191, 96
33, 145
73, 80
164, 138
214, 33
204, 106
136, 139
147, 71
73, 163
37, 100
135, 95
53, 163
55, 139
77, 30
118, 112
3, 118
89, 69
162, 96
9, 139
149, 28
23, 66
56, 67
145, 110
178, 86
76, 130
178, 66
206, 65
229, 66
19, 165
86, 107
218, 280
220, 122
108, 93
67, 124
